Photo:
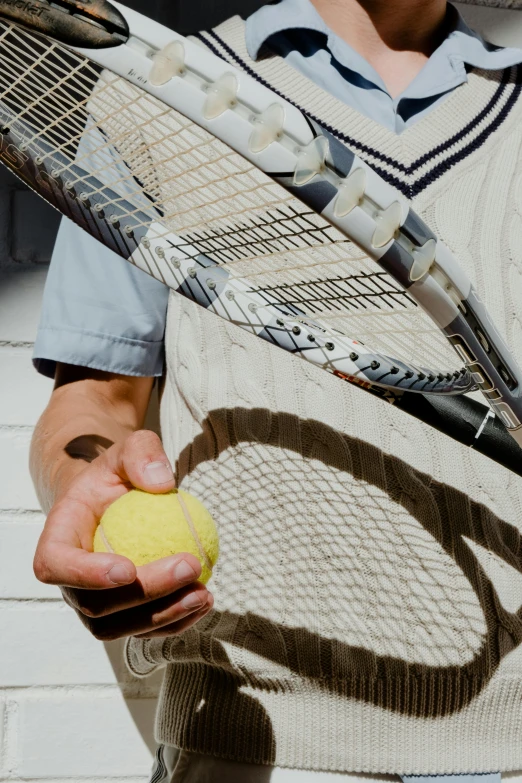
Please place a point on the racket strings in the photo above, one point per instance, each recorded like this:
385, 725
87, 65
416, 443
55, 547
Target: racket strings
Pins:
48, 76
198, 164
149, 160
337, 293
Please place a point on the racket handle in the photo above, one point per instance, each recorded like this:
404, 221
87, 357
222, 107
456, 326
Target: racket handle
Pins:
468, 422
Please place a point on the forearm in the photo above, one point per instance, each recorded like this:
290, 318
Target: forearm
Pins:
87, 413
87, 453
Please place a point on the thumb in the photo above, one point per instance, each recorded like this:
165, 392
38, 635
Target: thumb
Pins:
141, 461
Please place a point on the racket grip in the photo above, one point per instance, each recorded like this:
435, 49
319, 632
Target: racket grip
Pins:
466, 421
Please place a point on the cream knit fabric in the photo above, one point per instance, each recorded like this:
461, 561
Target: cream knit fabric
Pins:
368, 612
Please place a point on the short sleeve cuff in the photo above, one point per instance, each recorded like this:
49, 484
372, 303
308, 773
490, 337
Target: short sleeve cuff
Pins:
122, 355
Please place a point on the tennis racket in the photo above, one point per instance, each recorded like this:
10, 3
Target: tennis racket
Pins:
201, 176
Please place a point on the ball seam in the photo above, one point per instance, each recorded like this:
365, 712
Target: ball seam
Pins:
190, 523
105, 539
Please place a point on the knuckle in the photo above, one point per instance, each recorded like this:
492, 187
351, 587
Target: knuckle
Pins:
142, 439
101, 631
159, 621
88, 611
41, 569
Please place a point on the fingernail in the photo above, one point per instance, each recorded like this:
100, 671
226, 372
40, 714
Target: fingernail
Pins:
184, 572
119, 575
193, 601
158, 473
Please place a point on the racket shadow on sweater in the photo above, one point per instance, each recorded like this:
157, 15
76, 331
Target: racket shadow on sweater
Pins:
474, 629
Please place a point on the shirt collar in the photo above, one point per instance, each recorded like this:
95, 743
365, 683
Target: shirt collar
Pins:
445, 69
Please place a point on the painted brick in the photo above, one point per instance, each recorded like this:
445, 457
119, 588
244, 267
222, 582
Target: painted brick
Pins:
21, 288
2, 738
23, 392
82, 734
18, 540
17, 491
50, 647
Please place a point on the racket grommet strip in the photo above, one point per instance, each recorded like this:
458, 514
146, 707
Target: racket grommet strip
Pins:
268, 127
221, 95
423, 259
351, 193
169, 62
311, 161
388, 225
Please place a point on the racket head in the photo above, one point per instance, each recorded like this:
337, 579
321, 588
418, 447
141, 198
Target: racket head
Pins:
128, 168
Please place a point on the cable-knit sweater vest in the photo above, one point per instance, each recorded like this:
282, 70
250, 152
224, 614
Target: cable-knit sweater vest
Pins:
368, 596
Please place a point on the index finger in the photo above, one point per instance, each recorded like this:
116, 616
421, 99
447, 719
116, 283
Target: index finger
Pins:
64, 554
156, 580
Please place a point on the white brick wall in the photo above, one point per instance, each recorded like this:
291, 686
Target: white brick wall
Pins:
69, 710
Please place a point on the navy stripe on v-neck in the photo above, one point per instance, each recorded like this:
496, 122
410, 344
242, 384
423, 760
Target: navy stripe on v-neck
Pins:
406, 186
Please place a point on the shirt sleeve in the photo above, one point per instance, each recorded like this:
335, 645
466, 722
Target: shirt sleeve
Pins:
99, 311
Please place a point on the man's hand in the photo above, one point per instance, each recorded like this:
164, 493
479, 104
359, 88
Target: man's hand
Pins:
112, 597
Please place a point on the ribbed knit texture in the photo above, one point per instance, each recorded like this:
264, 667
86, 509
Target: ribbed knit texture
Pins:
369, 590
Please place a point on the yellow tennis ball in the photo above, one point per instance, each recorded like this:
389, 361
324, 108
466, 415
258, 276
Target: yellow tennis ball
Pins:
146, 527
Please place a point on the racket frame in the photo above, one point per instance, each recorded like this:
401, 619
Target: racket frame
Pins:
317, 168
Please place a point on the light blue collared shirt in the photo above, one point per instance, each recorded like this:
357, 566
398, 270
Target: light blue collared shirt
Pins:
100, 312
295, 30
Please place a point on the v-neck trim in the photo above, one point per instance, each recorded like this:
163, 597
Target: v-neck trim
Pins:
461, 46
410, 161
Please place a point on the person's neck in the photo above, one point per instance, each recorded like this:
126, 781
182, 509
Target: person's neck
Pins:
396, 37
